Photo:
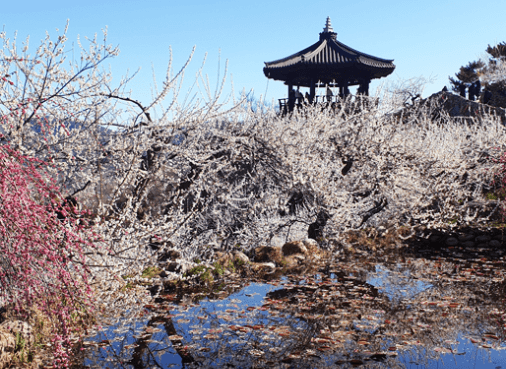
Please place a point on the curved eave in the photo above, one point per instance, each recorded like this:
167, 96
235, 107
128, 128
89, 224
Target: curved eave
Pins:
353, 73
328, 59
293, 59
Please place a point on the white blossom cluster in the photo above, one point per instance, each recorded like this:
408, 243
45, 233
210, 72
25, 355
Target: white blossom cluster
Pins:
196, 177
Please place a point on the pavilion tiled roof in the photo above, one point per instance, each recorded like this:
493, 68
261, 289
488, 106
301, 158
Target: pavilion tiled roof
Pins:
329, 51
333, 58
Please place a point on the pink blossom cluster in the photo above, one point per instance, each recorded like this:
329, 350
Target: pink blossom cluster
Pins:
42, 262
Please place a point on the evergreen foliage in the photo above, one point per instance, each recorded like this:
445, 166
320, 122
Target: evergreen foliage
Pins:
490, 73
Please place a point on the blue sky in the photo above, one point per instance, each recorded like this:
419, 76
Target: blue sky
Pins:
430, 38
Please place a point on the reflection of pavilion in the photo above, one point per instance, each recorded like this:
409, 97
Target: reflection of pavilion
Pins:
327, 63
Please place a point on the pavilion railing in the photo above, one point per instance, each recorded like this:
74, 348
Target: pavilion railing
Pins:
286, 106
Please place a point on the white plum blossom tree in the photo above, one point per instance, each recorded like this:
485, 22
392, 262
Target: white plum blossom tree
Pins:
212, 173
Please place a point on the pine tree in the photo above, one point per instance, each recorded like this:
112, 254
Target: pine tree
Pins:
494, 73
466, 76
498, 51
491, 74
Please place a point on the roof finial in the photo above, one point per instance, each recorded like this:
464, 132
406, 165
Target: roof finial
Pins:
328, 26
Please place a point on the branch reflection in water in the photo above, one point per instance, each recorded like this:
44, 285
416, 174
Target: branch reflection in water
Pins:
404, 312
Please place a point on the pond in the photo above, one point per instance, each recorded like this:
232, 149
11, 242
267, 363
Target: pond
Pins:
443, 310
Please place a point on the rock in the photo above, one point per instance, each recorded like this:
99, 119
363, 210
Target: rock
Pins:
495, 243
434, 238
443, 104
7, 346
24, 329
452, 241
465, 237
483, 238
169, 255
468, 244
219, 254
231, 259
294, 247
264, 267
310, 243
299, 257
268, 254
277, 241
240, 257
156, 244
293, 261
173, 266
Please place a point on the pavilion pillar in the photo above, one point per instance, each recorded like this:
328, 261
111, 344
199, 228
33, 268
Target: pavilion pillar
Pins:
364, 87
344, 91
312, 91
291, 97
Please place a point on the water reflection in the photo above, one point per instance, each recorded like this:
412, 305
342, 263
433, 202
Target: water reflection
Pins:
413, 313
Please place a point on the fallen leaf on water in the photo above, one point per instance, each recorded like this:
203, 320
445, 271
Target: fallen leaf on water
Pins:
379, 356
323, 348
493, 336
175, 337
257, 353
311, 353
293, 356
441, 349
320, 340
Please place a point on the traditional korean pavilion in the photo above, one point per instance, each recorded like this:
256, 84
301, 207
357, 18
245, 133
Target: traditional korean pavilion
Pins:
327, 63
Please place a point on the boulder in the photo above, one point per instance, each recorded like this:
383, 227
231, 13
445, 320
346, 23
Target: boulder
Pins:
293, 260
443, 104
483, 238
468, 244
310, 243
465, 237
452, 241
268, 254
495, 243
7, 341
294, 247
169, 255
235, 258
24, 329
7, 346
240, 257
173, 267
267, 268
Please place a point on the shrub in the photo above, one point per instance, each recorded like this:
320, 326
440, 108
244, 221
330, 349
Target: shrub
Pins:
500, 183
198, 174
42, 263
